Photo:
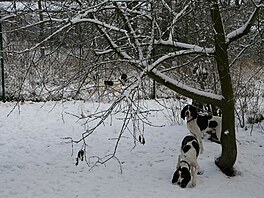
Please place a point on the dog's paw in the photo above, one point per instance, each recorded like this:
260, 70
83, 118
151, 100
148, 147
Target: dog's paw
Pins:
200, 173
212, 139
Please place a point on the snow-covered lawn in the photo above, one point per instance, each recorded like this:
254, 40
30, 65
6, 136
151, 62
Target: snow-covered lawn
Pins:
35, 160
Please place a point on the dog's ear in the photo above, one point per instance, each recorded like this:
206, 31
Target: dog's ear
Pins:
183, 112
186, 175
175, 177
193, 111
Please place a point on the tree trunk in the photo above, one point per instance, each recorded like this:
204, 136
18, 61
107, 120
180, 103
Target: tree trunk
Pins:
41, 31
228, 139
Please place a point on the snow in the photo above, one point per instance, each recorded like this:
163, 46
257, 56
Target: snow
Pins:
35, 160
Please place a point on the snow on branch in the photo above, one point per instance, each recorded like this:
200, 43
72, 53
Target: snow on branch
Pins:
80, 19
245, 29
4, 18
132, 32
113, 44
67, 25
185, 90
119, 51
46, 39
176, 16
100, 52
97, 22
29, 26
191, 47
172, 55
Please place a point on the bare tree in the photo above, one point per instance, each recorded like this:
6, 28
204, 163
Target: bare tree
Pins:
133, 33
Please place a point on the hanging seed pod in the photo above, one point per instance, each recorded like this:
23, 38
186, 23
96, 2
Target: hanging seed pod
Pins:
81, 154
143, 140
77, 161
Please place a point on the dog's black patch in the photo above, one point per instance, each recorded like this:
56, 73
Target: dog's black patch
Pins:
192, 110
187, 139
186, 148
183, 112
181, 173
186, 175
213, 124
213, 138
108, 83
202, 121
176, 176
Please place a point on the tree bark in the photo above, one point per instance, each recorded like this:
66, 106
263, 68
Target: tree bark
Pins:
41, 31
228, 138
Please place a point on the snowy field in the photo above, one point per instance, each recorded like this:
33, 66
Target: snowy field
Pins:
35, 160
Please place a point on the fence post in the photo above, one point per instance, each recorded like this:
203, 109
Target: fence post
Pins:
2, 63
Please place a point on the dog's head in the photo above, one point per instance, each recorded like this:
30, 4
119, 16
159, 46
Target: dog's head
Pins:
182, 177
189, 111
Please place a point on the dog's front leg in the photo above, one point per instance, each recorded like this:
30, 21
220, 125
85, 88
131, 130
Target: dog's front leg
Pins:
178, 163
199, 138
194, 170
194, 176
218, 133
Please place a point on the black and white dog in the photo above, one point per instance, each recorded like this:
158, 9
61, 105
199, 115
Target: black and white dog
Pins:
198, 125
187, 167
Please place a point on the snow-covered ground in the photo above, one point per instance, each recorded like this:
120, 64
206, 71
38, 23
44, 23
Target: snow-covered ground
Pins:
35, 160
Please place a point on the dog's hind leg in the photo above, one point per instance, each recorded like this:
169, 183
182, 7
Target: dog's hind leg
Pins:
195, 130
218, 129
218, 134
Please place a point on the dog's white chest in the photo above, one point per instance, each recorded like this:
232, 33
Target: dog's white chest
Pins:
193, 127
